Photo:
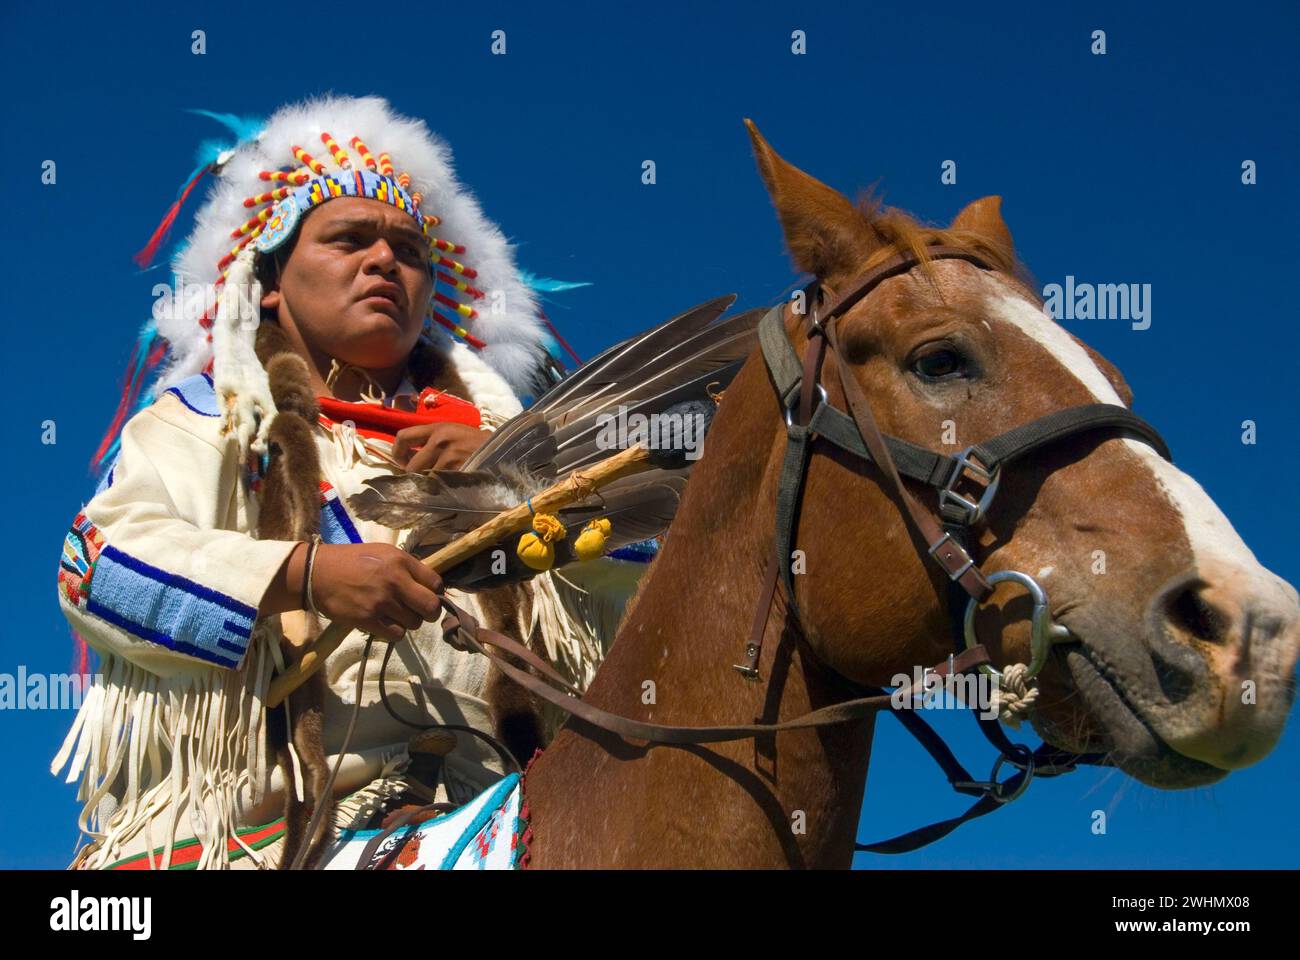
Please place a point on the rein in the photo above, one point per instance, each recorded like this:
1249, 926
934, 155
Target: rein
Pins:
464, 632
809, 415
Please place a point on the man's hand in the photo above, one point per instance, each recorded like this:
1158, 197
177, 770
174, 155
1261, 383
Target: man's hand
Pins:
441, 446
379, 588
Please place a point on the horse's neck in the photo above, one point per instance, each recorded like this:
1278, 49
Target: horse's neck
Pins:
596, 800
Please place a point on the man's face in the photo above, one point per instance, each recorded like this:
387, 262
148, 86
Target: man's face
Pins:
357, 284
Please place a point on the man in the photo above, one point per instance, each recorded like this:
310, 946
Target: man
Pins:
221, 530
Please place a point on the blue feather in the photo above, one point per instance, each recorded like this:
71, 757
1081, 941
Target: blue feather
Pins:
244, 128
547, 285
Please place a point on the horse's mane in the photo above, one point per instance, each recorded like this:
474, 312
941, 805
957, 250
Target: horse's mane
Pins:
900, 232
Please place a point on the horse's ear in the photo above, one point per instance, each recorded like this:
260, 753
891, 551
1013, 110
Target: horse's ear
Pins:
984, 217
825, 234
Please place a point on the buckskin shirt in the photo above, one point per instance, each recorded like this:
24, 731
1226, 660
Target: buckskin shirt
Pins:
161, 574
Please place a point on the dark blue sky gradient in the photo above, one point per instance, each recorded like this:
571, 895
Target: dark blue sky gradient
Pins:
1121, 168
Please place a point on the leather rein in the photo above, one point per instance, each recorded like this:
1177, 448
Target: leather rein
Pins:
808, 416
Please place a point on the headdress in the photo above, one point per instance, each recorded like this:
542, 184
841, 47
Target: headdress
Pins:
304, 155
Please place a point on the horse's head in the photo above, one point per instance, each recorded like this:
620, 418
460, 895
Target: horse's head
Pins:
1182, 647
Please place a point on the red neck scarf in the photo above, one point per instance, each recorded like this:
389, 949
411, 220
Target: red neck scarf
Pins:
382, 423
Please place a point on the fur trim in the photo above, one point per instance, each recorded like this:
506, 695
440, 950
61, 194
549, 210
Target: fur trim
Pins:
290, 511
289, 508
510, 325
243, 390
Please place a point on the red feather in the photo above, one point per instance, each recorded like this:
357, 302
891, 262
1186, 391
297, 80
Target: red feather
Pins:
145, 256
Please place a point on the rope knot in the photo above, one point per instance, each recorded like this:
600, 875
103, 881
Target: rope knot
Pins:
1014, 694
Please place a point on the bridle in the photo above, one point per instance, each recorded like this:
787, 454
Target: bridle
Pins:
809, 416
949, 536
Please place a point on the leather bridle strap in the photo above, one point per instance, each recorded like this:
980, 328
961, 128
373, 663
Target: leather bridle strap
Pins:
794, 468
934, 469
893, 267
1060, 424
462, 631
950, 554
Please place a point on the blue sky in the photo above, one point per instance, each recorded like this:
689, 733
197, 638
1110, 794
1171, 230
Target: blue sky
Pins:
1117, 168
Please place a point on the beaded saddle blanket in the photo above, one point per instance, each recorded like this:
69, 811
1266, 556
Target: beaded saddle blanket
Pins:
488, 833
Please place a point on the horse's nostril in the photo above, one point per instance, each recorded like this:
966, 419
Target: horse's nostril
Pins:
1187, 612
1177, 682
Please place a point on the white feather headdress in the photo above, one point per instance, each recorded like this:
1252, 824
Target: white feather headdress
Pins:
495, 303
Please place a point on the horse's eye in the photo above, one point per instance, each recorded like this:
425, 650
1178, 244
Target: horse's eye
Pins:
942, 364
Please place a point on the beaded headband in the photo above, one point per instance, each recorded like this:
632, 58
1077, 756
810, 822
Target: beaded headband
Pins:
279, 227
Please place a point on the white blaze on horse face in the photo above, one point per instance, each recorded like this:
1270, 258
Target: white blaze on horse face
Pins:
1213, 540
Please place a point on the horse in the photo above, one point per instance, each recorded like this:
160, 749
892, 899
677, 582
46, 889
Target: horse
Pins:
1151, 661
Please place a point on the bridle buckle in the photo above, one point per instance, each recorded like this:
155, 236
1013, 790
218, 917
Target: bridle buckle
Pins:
950, 501
938, 545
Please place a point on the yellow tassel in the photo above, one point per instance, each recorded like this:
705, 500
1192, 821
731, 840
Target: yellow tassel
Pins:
535, 548
591, 542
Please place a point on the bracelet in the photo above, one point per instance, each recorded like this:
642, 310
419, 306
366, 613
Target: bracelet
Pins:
307, 603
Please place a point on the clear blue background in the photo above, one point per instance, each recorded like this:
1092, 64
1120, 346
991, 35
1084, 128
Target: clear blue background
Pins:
1121, 168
